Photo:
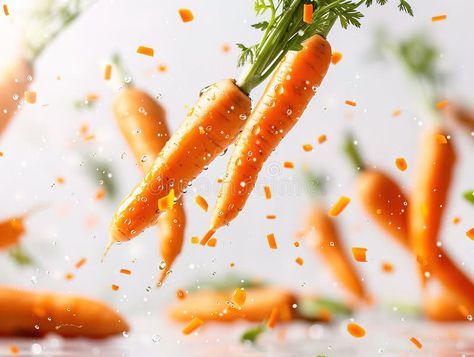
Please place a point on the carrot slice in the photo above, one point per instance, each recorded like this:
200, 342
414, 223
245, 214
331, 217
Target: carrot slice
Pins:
268, 192
359, 254
186, 15
193, 326
355, 330
336, 57
146, 51
201, 202
271, 241
416, 343
439, 18
308, 13
339, 206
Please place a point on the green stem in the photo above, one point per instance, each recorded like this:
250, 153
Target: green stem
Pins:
315, 184
121, 70
469, 196
352, 152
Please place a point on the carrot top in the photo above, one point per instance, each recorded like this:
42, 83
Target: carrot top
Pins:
315, 185
352, 152
286, 30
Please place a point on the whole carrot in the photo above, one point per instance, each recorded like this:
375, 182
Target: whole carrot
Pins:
30, 314
142, 121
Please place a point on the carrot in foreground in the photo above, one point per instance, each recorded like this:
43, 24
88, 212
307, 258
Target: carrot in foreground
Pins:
31, 314
142, 121
284, 100
49, 19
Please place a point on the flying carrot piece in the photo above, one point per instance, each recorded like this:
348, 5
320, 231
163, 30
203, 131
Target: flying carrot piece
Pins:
186, 15
272, 320
439, 18
296, 244
322, 139
239, 296
442, 104
30, 97
387, 267
69, 276
351, 103
201, 202
125, 272
115, 287
65, 315
401, 163
359, 254
355, 330
270, 216
11, 231
146, 51
308, 13
271, 241
288, 165
207, 236
5, 10
416, 342
299, 261
470, 233
212, 242
307, 147
181, 294
396, 113
194, 240
456, 220
339, 206
336, 57
193, 326
268, 192
108, 72
14, 350
80, 263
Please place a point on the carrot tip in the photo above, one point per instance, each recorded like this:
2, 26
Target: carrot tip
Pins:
107, 248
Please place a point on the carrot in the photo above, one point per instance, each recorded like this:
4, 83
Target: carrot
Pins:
213, 306
218, 116
32, 314
445, 307
136, 110
284, 100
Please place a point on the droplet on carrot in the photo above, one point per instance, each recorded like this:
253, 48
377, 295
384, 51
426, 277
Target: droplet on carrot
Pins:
355, 330
439, 18
192, 326
212, 242
308, 13
442, 104
271, 241
5, 10
268, 192
351, 103
201, 202
181, 294
115, 287
272, 320
30, 97
125, 271
288, 165
359, 254
441, 139
470, 233
80, 263
336, 57
299, 261
339, 206
239, 296
387, 267
186, 15
307, 147
322, 138
401, 163
416, 343
146, 51
165, 203
108, 72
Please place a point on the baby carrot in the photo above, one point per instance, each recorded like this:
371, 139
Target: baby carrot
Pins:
193, 326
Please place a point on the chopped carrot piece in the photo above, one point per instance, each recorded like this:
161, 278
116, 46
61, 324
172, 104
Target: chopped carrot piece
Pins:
212, 242
396, 113
442, 104
351, 103
5, 10
181, 294
1, 154
296, 244
387, 267
146, 51
470, 233
299, 261
339, 206
322, 138
225, 48
271, 216
201, 202
232, 264
307, 147
115, 287
439, 18
308, 13
401, 163
192, 326
165, 203
336, 57
162, 68
355, 330
456, 220
220, 180
69, 276
14, 350
207, 236
30, 97
108, 72
441, 139
80, 263
416, 343
99, 194
268, 192
194, 240
272, 320
239, 296
288, 165
186, 15
359, 254
125, 272
59, 180
92, 97
271, 241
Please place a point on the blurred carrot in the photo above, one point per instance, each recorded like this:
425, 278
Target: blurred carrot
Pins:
445, 307
30, 314
461, 115
142, 121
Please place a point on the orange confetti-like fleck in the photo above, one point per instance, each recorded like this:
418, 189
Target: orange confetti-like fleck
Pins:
194, 240
439, 18
1, 154
339, 206
359, 254
442, 104
396, 113
232, 264
239, 296
387, 267
456, 220
351, 103
5, 10
272, 320
59, 180
225, 48
288, 165
108, 72
115, 287
201, 202
125, 272
307, 147
296, 244
14, 350
441, 139
271, 216
322, 138
181, 294
336, 57
401, 163
271, 241
69, 276
162, 68
30, 97
470, 233
308, 13
186, 15
193, 326
80, 263
299, 261
268, 192
99, 194
146, 51
355, 330
416, 343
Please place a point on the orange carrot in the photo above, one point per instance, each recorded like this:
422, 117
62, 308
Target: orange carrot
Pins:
136, 111
31, 314
284, 100
201, 202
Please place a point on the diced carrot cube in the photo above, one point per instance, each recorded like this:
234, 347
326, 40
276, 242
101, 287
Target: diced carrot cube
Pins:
401, 163
439, 18
108, 72
416, 343
125, 271
308, 13
186, 15
271, 241
336, 57
268, 192
339, 206
239, 296
351, 103
146, 51
359, 254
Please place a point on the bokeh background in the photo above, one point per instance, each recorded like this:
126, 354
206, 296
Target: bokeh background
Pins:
44, 143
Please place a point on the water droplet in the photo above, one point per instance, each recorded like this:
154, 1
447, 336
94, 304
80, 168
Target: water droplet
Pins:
127, 79
314, 88
469, 317
37, 327
162, 265
34, 280
289, 112
125, 334
144, 158
279, 89
243, 117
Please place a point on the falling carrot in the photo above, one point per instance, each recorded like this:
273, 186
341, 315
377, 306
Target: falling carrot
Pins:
31, 314
355, 330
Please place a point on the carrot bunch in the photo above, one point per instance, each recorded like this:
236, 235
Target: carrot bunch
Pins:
45, 22
142, 122
298, 54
